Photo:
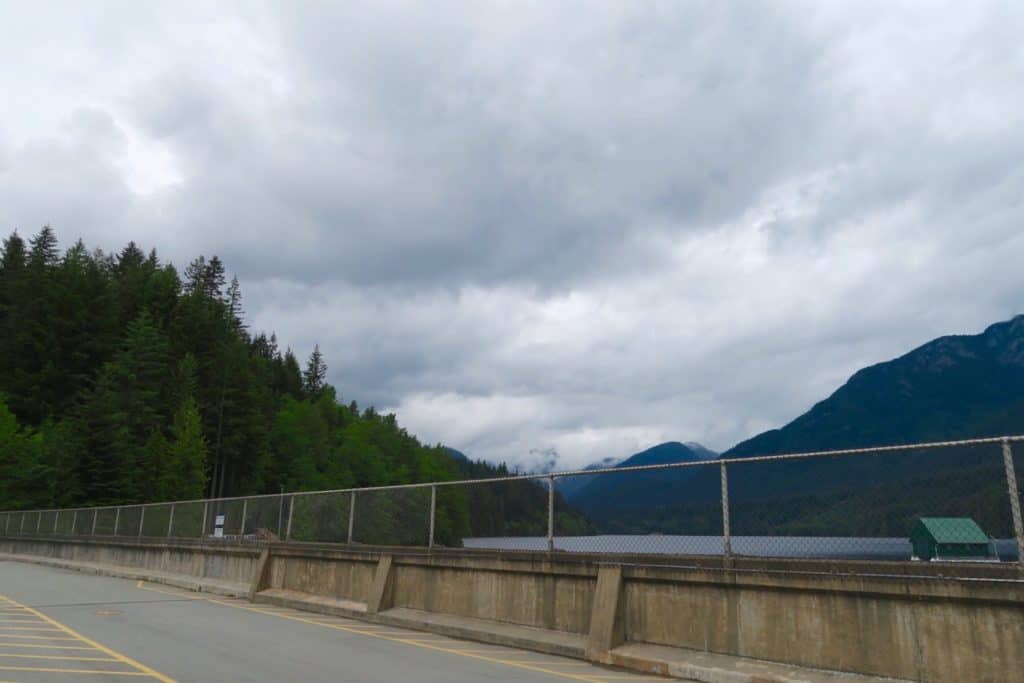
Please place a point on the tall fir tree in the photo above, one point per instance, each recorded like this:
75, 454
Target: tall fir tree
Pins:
315, 376
184, 471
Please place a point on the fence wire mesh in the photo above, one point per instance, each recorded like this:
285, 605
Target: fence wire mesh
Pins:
392, 517
869, 507
187, 520
944, 502
321, 518
637, 512
156, 520
105, 521
264, 517
129, 521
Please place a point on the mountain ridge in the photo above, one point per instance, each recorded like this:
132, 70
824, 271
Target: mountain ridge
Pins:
953, 387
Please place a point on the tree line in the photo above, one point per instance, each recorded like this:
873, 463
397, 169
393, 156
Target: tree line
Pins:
125, 381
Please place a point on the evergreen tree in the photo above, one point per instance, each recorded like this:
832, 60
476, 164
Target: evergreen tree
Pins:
315, 376
22, 474
184, 472
234, 304
44, 249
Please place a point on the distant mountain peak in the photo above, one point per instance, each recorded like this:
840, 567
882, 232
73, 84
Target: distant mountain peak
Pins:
701, 450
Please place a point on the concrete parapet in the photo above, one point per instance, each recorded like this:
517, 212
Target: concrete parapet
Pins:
755, 621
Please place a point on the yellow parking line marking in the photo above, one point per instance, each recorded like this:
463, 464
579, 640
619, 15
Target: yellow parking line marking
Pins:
554, 662
77, 659
176, 594
101, 672
141, 669
330, 621
431, 640
47, 647
26, 628
16, 635
428, 646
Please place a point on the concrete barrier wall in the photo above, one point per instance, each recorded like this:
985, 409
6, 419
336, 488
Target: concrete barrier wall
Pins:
338, 575
549, 595
909, 628
215, 562
902, 621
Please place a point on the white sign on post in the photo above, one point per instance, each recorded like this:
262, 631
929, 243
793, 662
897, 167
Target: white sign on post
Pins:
218, 526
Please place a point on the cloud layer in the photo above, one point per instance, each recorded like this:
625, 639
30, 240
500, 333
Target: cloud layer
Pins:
586, 227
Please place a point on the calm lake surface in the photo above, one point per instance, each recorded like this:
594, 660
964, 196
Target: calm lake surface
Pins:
820, 547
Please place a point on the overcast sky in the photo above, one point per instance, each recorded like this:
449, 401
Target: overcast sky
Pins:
527, 228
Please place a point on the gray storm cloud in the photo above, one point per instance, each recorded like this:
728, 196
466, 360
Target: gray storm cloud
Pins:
587, 227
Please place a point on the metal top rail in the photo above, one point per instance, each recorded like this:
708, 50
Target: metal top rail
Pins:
898, 448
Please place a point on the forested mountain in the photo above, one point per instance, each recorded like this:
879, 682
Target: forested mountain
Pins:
601, 493
123, 381
954, 387
568, 486
130, 382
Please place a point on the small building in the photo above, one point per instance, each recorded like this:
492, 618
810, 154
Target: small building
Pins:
949, 538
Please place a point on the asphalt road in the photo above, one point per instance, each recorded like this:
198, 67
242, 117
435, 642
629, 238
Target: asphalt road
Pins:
58, 625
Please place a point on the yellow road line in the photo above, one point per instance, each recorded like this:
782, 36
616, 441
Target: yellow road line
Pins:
77, 659
41, 669
141, 668
176, 594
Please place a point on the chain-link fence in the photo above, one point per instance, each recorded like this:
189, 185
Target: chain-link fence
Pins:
957, 500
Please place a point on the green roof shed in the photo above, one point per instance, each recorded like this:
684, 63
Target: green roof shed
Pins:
949, 538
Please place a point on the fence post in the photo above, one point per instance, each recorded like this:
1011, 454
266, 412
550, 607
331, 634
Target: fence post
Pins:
245, 509
551, 513
117, 519
280, 512
95, 514
7, 523
21, 527
170, 521
142, 518
56, 518
74, 522
288, 529
206, 506
351, 517
726, 533
433, 512
1011, 482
